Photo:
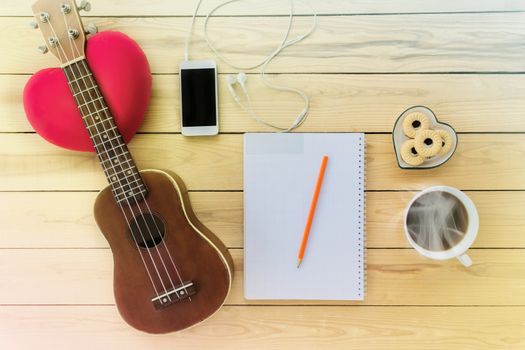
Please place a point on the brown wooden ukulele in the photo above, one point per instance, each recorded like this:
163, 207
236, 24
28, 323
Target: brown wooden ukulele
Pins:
170, 272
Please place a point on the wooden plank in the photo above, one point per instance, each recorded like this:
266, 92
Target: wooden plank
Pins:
338, 102
182, 155
403, 277
394, 277
501, 219
273, 328
488, 161
30, 222
186, 8
491, 290
488, 42
477, 164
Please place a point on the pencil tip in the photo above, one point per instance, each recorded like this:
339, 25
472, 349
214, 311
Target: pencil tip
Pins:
298, 263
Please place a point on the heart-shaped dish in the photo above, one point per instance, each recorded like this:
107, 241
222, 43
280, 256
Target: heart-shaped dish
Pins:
399, 138
123, 76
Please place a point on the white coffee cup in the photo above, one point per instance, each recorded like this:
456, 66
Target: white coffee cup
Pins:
458, 250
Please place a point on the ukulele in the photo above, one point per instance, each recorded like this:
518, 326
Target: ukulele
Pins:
170, 271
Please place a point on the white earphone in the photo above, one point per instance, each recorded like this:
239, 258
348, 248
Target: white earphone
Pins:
241, 78
231, 81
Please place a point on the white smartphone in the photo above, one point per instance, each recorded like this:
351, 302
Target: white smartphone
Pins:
198, 98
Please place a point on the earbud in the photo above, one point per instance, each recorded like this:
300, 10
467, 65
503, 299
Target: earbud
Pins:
241, 78
230, 81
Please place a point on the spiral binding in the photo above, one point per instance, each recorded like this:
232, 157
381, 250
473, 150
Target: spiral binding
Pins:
362, 214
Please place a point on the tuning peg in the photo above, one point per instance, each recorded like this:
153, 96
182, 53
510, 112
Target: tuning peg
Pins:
44, 17
72, 33
85, 5
42, 49
33, 25
65, 8
91, 29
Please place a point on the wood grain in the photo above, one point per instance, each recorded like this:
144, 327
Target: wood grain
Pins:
501, 219
492, 161
394, 277
341, 44
69, 222
186, 8
338, 102
52, 254
30, 222
305, 327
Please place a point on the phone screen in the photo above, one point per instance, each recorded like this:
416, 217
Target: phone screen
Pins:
198, 97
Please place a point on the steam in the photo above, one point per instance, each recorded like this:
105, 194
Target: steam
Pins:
437, 221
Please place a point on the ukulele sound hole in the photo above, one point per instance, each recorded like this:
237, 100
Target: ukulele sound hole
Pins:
147, 230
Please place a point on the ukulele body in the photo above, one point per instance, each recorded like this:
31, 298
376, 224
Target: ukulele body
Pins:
198, 255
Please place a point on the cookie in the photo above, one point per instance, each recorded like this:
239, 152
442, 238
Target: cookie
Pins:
428, 143
410, 155
446, 141
415, 122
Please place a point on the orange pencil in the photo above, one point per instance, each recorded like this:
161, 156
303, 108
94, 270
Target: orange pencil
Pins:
311, 214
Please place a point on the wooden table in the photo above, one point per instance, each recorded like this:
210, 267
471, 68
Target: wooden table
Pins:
366, 63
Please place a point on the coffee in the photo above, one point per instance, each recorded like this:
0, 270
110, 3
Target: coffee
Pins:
437, 221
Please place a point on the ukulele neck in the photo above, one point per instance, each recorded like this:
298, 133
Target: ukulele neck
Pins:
120, 169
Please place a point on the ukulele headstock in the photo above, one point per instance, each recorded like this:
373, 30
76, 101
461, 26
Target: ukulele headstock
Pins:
60, 25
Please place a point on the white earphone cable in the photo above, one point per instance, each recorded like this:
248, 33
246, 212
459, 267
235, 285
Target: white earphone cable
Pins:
284, 43
256, 65
188, 37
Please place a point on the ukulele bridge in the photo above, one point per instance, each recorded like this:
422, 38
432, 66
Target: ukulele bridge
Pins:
180, 292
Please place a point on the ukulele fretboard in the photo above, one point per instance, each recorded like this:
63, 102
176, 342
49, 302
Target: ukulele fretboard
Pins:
122, 174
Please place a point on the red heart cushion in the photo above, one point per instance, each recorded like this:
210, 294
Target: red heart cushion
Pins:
122, 72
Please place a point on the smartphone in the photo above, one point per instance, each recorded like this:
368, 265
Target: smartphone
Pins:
198, 98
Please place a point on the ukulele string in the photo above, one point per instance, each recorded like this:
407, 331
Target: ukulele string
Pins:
74, 47
150, 229
169, 254
113, 167
114, 170
121, 185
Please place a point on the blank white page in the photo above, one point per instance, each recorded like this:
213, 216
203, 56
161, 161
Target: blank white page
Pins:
280, 172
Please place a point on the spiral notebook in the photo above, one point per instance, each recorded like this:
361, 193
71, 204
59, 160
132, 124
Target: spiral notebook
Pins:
280, 172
